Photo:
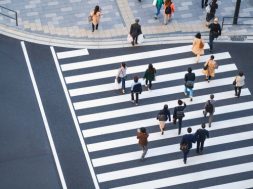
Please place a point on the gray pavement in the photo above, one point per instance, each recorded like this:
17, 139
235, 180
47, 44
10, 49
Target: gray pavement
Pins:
67, 19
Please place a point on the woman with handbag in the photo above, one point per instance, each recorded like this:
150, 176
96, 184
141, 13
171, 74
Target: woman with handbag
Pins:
209, 68
162, 117
121, 76
239, 82
198, 46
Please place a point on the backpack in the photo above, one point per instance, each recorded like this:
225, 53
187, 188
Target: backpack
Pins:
168, 10
180, 114
137, 88
162, 117
209, 107
201, 45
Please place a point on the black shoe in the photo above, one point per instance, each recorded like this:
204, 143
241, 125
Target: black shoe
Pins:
162, 132
132, 43
184, 162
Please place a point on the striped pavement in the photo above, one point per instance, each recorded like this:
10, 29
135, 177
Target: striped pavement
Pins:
108, 120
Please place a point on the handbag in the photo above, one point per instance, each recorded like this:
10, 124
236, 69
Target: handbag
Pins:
205, 66
154, 2
129, 38
119, 79
234, 82
208, 8
116, 84
184, 147
90, 18
140, 38
189, 84
180, 114
201, 45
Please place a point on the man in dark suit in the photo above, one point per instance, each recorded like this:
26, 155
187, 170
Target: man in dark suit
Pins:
201, 135
135, 30
215, 32
179, 114
187, 139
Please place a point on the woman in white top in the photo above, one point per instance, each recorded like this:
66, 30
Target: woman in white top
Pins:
121, 76
239, 83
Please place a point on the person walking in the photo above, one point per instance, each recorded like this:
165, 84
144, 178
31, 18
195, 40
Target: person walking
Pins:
178, 114
158, 5
189, 79
239, 82
204, 3
121, 76
186, 143
215, 32
135, 30
136, 89
201, 135
198, 46
212, 10
142, 135
169, 9
149, 76
163, 116
209, 68
210, 109
95, 15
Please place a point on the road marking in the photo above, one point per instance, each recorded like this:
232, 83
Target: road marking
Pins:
154, 107
73, 53
174, 164
191, 177
152, 152
75, 120
159, 79
137, 69
147, 94
128, 57
190, 115
43, 114
243, 184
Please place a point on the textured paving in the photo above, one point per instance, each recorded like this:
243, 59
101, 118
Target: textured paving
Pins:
68, 18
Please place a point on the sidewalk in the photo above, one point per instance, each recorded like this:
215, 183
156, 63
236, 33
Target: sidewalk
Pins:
68, 19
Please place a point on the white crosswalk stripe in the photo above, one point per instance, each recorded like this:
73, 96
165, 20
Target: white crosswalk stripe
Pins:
109, 121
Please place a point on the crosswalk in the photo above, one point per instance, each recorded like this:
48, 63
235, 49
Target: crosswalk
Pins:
108, 120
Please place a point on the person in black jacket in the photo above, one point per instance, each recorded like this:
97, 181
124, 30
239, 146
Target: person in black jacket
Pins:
163, 116
179, 114
136, 89
201, 135
135, 30
187, 139
189, 79
204, 5
215, 32
211, 14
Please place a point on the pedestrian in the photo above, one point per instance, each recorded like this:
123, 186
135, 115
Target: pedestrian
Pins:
198, 46
142, 135
215, 32
149, 76
189, 79
186, 143
121, 76
95, 14
211, 13
204, 3
178, 114
210, 109
158, 5
167, 11
135, 30
209, 68
239, 82
163, 116
136, 89
201, 135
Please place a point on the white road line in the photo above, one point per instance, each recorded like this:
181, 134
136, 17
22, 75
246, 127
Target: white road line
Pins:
156, 106
109, 129
43, 114
73, 53
126, 58
190, 115
154, 93
191, 177
87, 157
243, 184
152, 152
174, 164
142, 68
159, 79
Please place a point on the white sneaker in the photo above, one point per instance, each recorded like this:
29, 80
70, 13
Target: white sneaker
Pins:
123, 91
146, 85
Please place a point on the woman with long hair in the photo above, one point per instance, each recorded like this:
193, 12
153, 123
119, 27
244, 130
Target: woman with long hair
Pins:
198, 46
95, 14
149, 76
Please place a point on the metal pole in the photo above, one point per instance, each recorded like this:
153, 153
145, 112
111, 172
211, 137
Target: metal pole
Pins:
237, 9
16, 15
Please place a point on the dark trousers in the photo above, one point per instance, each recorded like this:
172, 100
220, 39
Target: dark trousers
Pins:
135, 39
238, 91
150, 83
136, 96
204, 3
200, 145
185, 155
211, 38
180, 120
93, 26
